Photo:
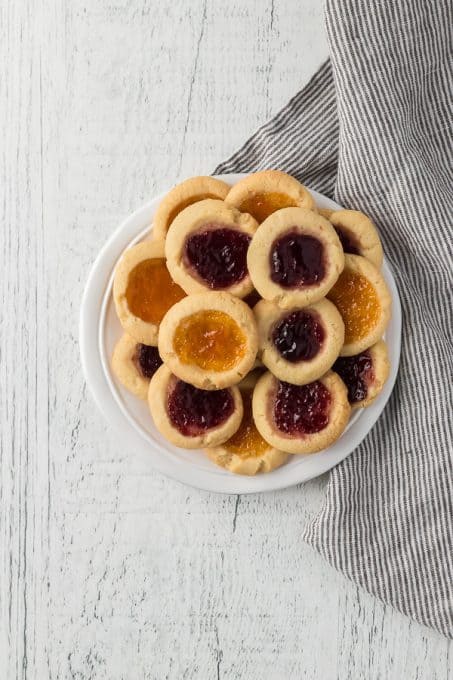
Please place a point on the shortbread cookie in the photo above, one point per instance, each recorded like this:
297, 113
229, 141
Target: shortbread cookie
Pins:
209, 340
301, 418
295, 257
206, 248
246, 452
364, 302
189, 417
299, 345
134, 364
357, 234
143, 291
262, 193
181, 196
364, 374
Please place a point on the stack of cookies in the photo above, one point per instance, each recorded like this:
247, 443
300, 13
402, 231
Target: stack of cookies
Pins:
252, 319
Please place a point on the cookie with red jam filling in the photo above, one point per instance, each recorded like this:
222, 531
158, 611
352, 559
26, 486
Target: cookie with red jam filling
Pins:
189, 417
295, 257
364, 374
134, 364
301, 418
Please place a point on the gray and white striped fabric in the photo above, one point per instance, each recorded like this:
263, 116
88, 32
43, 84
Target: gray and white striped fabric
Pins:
373, 130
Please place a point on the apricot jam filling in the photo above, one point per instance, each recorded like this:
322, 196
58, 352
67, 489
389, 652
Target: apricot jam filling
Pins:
247, 441
209, 339
358, 304
185, 204
263, 204
151, 291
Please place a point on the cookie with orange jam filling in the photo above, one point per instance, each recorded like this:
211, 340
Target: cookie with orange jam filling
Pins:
262, 193
301, 418
246, 452
190, 417
209, 340
364, 302
357, 234
206, 248
134, 364
181, 196
295, 257
143, 291
299, 345
364, 374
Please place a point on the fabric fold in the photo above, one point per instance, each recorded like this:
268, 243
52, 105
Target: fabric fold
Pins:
372, 129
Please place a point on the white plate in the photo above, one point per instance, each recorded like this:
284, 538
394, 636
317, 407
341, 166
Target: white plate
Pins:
100, 329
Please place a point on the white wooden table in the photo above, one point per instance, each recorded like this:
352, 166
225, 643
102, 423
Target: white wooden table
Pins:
107, 569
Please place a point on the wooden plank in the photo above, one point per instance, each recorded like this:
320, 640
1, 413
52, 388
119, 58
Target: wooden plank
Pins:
24, 359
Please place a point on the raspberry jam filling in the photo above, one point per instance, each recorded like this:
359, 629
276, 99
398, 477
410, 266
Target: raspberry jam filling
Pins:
193, 411
300, 410
358, 303
263, 204
298, 336
151, 291
147, 360
347, 241
218, 255
209, 339
247, 441
357, 373
296, 260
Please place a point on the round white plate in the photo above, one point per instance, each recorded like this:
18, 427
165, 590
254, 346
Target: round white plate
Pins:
99, 331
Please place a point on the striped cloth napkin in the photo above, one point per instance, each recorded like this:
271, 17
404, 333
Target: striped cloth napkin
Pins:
373, 131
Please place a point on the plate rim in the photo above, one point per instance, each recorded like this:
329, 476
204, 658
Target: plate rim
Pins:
98, 377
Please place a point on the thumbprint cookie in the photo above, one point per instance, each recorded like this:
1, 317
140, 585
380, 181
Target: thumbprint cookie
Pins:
263, 193
357, 234
299, 345
364, 374
301, 418
134, 364
209, 340
295, 257
143, 291
206, 248
246, 452
181, 196
189, 417
364, 302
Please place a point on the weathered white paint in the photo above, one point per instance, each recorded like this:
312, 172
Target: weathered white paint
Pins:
107, 569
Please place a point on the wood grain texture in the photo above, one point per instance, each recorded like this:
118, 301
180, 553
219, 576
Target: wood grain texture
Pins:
107, 569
